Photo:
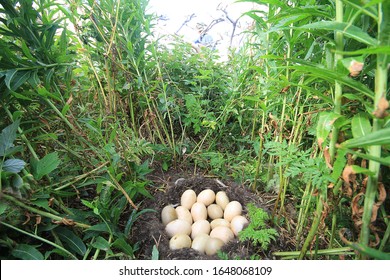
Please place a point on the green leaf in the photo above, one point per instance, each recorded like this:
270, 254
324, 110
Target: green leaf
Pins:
45, 165
155, 253
26, 252
101, 243
384, 161
75, 244
373, 253
13, 165
331, 76
325, 125
346, 29
16, 78
380, 137
3, 208
7, 137
339, 164
361, 170
102, 227
125, 247
360, 125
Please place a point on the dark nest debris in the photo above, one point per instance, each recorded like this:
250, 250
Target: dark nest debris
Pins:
148, 230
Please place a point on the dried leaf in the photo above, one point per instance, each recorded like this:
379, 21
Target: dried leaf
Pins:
380, 111
38, 219
327, 158
51, 201
285, 89
347, 172
28, 218
355, 67
381, 199
65, 221
69, 101
320, 141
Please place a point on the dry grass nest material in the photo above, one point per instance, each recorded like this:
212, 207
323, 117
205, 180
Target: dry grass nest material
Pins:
148, 230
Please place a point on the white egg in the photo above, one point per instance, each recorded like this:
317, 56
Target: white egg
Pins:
214, 211
184, 214
188, 198
179, 241
178, 226
199, 227
237, 224
206, 197
168, 214
213, 245
222, 199
234, 208
223, 233
198, 211
219, 222
199, 242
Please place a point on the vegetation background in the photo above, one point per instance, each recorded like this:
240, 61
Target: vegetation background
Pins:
91, 103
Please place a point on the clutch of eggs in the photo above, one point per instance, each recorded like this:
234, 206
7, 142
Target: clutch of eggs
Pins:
204, 222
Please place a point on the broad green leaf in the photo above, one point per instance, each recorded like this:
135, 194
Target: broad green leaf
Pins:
380, 137
339, 164
13, 165
325, 125
26, 51
15, 78
45, 165
7, 137
101, 243
3, 208
331, 76
360, 125
75, 244
121, 244
87, 203
26, 252
347, 29
102, 227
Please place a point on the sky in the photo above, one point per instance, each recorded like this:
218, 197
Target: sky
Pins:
177, 11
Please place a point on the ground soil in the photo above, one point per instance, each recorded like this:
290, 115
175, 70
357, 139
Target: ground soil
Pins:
149, 231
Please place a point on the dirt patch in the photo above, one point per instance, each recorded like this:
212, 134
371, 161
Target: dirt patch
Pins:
149, 231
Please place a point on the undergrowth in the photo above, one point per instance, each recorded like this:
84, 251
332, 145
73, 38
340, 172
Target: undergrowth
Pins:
91, 103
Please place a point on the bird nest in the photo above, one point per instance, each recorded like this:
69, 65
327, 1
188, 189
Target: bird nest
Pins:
148, 231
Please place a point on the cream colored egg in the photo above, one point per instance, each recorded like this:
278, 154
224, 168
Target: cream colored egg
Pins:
214, 211
213, 245
222, 199
199, 227
234, 208
223, 233
188, 198
199, 242
206, 197
237, 224
178, 226
219, 222
184, 214
198, 212
180, 241
168, 214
